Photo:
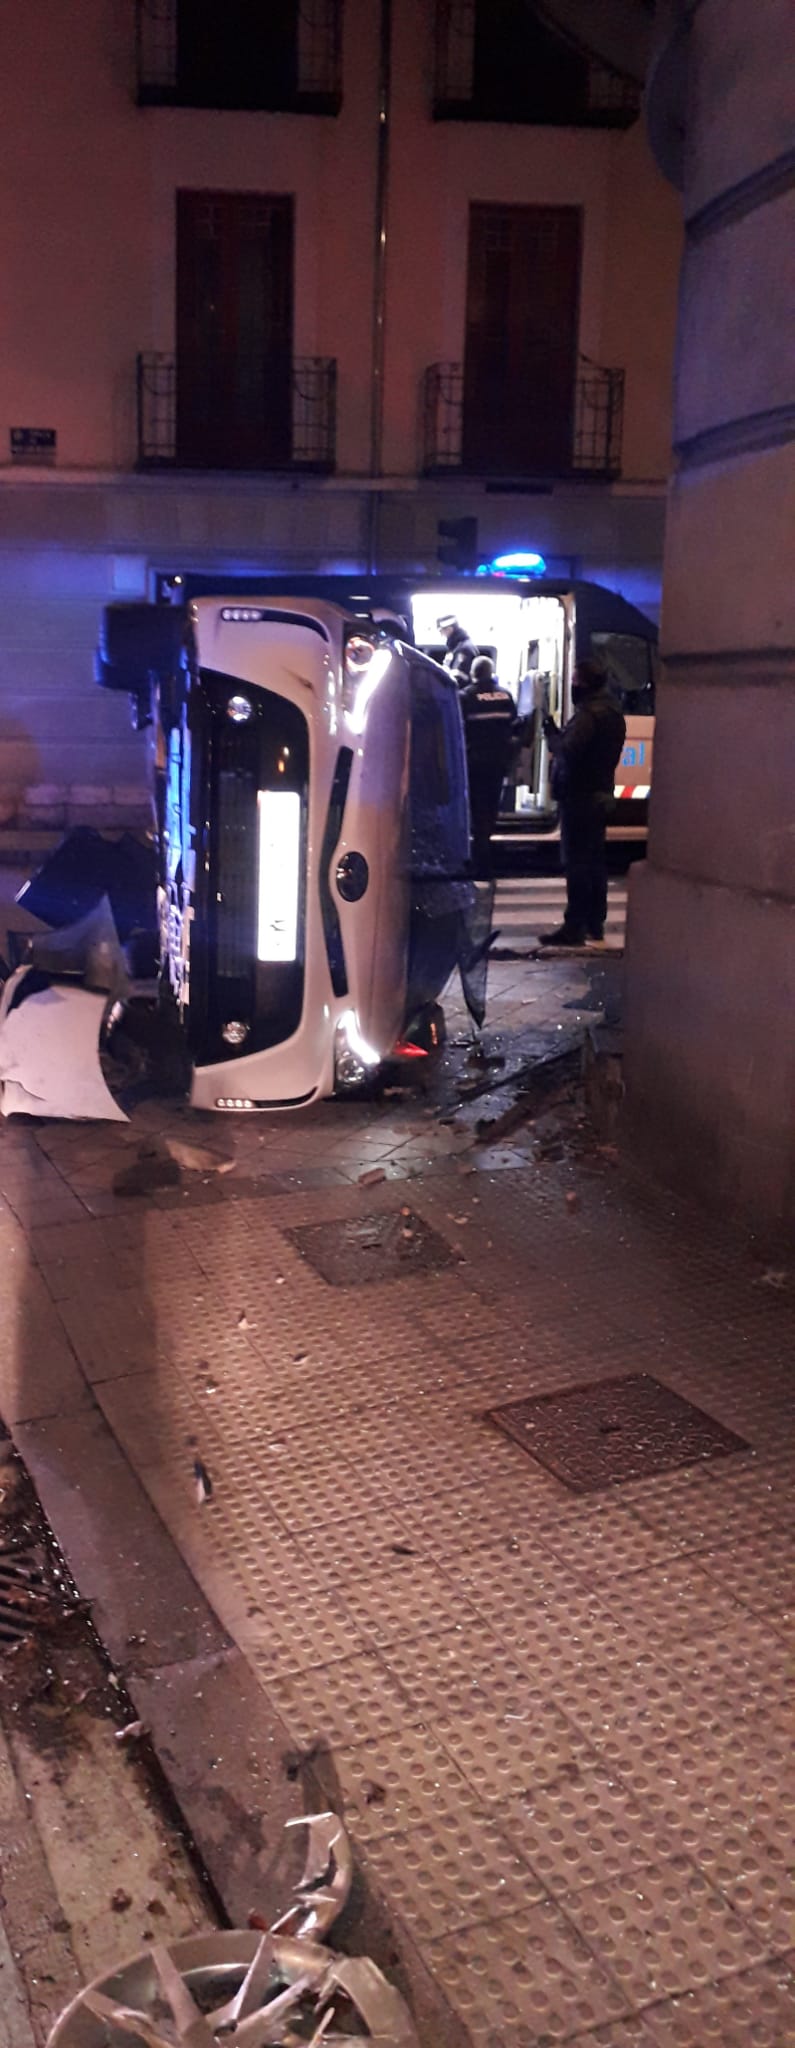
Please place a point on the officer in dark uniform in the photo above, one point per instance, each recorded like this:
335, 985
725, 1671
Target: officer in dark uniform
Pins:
584, 760
489, 718
461, 651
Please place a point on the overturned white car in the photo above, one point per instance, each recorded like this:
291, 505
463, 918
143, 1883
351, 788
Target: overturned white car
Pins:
313, 823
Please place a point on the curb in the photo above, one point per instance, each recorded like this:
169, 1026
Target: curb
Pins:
220, 1744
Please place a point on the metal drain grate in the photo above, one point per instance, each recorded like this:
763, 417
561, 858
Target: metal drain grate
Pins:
24, 1600
611, 1431
36, 1591
385, 1246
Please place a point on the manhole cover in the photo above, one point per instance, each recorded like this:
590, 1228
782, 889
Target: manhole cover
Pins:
614, 1430
381, 1247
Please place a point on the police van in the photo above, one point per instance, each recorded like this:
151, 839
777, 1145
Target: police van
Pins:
534, 627
534, 631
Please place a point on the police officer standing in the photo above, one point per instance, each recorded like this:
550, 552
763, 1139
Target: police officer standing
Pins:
584, 760
489, 723
461, 651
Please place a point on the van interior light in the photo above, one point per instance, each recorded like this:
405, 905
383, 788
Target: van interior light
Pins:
373, 675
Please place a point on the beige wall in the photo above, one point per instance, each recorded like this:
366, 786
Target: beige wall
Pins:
644, 244
87, 230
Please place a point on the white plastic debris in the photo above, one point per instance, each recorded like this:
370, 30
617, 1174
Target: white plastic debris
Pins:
49, 1053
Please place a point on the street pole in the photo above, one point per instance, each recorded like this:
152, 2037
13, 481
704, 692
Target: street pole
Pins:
379, 280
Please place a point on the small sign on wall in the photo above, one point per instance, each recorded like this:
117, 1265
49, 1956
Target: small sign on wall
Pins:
33, 444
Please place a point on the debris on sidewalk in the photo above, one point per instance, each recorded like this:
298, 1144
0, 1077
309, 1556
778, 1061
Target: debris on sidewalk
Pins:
197, 1158
324, 1888
53, 1011
204, 1484
49, 1052
261, 1981
132, 1733
774, 1276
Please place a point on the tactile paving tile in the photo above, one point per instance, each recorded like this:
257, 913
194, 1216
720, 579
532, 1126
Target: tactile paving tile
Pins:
285, 1632
761, 1575
506, 1758
502, 1579
709, 1515
418, 1469
612, 1430
662, 1929
461, 1671
556, 1648
583, 1828
524, 1981
540, 1630
394, 1784
600, 1694
671, 1598
451, 1868
742, 1671
405, 1596
354, 1700
756, 1877
634, 2032
753, 2009
601, 1539
454, 1521
722, 1779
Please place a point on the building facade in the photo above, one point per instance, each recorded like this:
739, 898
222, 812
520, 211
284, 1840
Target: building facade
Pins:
287, 287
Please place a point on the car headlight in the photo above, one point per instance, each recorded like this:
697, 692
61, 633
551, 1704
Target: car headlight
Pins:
354, 1059
365, 666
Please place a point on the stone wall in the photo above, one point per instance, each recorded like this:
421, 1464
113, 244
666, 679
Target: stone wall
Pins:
710, 1064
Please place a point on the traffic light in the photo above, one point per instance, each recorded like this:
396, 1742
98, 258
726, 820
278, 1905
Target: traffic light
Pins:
457, 544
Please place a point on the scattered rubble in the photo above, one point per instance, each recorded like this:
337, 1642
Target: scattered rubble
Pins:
204, 1484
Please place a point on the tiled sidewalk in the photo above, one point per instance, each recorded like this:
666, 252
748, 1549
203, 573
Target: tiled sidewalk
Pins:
557, 1723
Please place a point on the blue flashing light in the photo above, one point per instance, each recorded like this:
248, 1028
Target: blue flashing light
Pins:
523, 563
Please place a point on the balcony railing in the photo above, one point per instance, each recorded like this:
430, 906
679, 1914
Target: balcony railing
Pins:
596, 434
313, 424
168, 77
597, 96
